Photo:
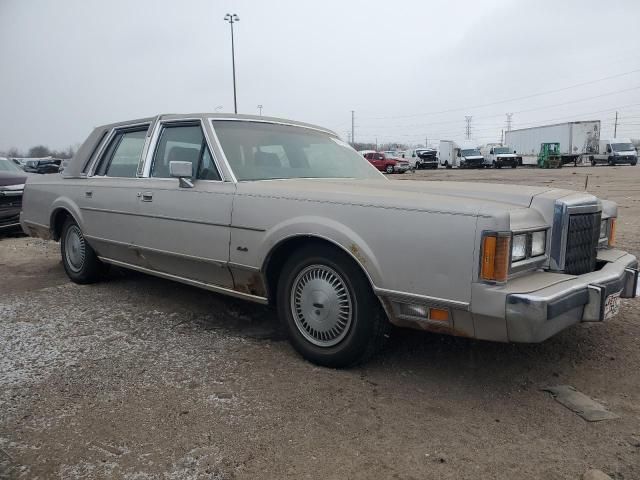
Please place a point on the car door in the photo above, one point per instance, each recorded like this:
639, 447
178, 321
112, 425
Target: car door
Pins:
185, 231
108, 199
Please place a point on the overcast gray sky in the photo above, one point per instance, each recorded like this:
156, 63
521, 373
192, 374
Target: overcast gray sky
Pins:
71, 65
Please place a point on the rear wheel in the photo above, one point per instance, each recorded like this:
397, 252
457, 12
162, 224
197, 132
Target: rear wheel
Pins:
329, 310
514, 165
446, 164
78, 258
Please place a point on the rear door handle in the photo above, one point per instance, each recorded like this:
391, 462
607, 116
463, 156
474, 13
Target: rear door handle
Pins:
147, 197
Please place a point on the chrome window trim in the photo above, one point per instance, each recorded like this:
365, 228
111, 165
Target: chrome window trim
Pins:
153, 145
562, 210
234, 179
91, 170
275, 122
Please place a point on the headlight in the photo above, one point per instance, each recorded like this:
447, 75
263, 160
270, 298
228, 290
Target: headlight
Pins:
13, 188
538, 243
519, 247
528, 245
603, 229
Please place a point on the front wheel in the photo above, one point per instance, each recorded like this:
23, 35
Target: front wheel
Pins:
389, 169
78, 258
514, 165
329, 310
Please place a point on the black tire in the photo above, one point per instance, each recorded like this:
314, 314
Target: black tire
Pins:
593, 162
87, 268
633, 164
389, 169
368, 327
446, 165
611, 162
515, 165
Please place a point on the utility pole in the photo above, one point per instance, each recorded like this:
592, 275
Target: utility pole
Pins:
502, 137
260, 109
426, 142
468, 128
353, 126
376, 144
233, 18
509, 115
615, 126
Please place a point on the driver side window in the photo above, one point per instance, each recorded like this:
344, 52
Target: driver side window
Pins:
184, 143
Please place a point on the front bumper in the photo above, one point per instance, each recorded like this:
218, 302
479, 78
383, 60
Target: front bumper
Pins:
537, 315
401, 168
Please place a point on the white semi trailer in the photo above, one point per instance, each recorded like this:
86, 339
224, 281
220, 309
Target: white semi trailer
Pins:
576, 139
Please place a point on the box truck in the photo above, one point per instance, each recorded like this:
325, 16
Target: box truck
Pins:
614, 151
464, 155
578, 140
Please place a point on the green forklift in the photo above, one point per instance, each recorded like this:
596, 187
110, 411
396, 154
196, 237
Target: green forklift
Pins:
549, 156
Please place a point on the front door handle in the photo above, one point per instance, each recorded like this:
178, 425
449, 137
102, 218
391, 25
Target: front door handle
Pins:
147, 196
88, 194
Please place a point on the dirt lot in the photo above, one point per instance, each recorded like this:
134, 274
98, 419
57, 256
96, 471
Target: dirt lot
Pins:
143, 378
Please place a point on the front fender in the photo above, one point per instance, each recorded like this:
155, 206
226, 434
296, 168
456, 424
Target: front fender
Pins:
326, 229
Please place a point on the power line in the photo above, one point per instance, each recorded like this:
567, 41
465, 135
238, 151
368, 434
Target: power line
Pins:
498, 102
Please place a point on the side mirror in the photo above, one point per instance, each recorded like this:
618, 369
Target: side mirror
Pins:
458, 153
183, 171
491, 151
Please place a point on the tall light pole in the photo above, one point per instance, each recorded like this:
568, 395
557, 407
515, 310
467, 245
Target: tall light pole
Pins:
233, 18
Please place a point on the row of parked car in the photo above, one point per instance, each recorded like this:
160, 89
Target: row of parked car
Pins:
392, 161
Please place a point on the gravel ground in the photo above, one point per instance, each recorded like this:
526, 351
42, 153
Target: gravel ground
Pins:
142, 378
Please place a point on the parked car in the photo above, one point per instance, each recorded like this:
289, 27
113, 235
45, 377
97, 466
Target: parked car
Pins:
498, 156
614, 151
285, 213
12, 180
386, 163
42, 166
423, 158
464, 155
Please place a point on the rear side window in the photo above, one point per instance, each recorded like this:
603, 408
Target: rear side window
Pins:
123, 154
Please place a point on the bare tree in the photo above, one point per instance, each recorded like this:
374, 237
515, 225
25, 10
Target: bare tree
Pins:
39, 151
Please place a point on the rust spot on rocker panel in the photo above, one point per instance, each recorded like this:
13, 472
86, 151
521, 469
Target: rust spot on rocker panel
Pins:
249, 282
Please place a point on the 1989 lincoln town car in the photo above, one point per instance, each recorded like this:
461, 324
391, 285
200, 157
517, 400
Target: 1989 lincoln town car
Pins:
286, 213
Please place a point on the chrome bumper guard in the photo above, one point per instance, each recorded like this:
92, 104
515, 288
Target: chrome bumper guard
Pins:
535, 316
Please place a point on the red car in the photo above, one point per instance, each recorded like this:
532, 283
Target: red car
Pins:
386, 163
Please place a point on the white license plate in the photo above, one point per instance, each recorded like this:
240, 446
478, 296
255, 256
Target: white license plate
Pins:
612, 306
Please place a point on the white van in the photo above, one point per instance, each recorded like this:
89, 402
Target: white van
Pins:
615, 151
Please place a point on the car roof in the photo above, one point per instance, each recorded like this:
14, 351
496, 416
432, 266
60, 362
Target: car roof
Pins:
217, 116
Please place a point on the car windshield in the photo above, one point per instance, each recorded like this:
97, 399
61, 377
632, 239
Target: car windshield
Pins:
501, 150
470, 152
622, 147
8, 166
265, 151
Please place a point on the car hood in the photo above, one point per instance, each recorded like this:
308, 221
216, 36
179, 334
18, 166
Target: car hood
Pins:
12, 178
445, 197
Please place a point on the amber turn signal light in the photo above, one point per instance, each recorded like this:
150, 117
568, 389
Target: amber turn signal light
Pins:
494, 265
612, 232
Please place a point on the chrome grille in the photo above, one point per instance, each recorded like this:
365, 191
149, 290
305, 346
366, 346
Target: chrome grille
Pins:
582, 243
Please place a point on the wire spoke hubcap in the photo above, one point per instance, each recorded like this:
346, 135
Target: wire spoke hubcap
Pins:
321, 305
74, 248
